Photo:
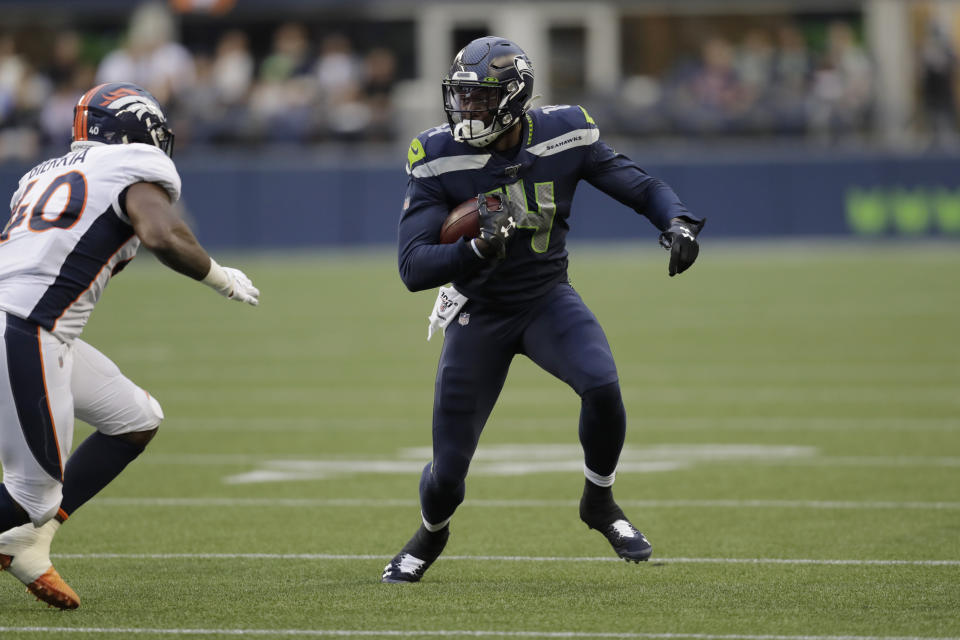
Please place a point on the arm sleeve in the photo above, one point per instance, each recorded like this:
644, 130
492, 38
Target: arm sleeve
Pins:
622, 179
423, 262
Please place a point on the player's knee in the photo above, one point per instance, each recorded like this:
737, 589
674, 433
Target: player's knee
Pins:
448, 473
145, 425
139, 439
441, 492
604, 403
449, 478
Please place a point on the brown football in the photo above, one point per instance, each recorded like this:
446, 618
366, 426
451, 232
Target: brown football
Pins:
464, 220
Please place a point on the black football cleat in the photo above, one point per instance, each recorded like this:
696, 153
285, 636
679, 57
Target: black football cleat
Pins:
416, 556
599, 511
627, 542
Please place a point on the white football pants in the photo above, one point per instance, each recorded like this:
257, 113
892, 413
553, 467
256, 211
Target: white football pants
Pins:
44, 383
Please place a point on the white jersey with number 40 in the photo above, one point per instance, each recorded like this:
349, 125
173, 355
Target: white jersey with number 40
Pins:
68, 232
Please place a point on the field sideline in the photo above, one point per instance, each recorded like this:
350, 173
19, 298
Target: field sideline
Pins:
793, 454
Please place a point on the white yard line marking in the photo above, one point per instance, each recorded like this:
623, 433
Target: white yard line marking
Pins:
323, 468
406, 502
332, 556
473, 633
667, 424
871, 461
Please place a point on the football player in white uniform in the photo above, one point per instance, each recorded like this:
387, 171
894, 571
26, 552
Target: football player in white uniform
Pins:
75, 222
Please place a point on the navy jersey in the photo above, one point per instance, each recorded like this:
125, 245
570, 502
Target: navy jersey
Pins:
560, 145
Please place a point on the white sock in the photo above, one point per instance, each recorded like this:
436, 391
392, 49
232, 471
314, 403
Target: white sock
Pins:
597, 479
433, 528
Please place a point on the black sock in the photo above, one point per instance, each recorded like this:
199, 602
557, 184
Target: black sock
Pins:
597, 507
603, 427
427, 545
92, 466
11, 515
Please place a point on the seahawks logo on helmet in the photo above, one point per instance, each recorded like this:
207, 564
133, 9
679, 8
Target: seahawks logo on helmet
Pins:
120, 113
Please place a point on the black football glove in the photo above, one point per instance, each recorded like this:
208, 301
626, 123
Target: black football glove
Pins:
496, 228
681, 240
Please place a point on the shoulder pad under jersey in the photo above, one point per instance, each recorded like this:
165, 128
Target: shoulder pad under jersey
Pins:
435, 152
138, 162
556, 128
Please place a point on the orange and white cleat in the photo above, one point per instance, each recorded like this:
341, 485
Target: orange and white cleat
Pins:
25, 554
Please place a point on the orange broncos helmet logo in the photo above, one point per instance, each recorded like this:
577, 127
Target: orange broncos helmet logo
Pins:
116, 94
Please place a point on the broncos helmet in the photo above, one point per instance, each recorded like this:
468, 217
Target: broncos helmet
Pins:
121, 113
488, 90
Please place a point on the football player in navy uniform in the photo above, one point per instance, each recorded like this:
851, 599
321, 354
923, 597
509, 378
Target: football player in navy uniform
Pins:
510, 292
75, 222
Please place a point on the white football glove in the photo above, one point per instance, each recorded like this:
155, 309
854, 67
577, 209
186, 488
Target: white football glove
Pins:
231, 283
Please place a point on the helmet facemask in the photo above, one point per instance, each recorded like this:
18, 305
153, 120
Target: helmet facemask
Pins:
155, 131
476, 111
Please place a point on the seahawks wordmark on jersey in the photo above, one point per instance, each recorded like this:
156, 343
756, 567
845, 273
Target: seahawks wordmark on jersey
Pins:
68, 232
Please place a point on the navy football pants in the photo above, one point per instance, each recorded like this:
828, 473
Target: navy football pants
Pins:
562, 336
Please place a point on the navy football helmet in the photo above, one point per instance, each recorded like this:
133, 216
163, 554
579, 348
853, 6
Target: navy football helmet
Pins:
488, 90
121, 113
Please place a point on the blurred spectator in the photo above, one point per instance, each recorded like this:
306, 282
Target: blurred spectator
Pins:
215, 110
12, 70
232, 72
754, 66
791, 81
637, 108
201, 117
339, 75
754, 62
379, 78
65, 58
337, 69
56, 114
842, 92
151, 57
281, 103
938, 76
290, 55
22, 91
70, 75
711, 98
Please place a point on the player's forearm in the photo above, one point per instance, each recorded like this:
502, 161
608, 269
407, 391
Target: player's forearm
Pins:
622, 179
180, 251
663, 205
426, 266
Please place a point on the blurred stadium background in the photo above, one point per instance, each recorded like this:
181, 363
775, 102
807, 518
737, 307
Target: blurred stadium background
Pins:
790, 118
799, 396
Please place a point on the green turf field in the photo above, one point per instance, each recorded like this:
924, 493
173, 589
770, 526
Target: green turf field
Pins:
793, 454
